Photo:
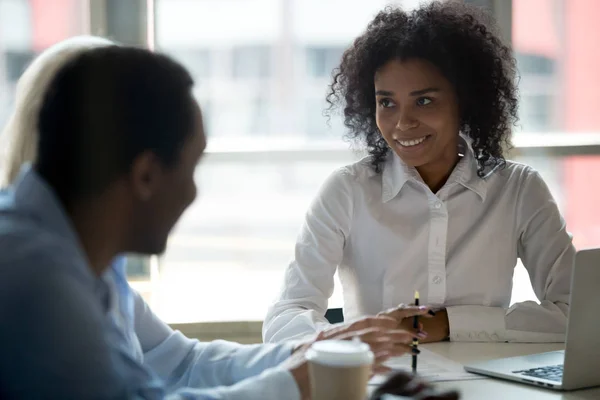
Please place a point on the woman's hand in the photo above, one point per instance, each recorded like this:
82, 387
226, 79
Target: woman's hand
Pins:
437, 327
434, 324
403, 384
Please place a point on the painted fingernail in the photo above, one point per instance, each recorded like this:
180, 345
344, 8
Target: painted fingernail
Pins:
422, 335
416, 351
422, 307
431, 312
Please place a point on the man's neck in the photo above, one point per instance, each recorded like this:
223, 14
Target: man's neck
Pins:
99, 233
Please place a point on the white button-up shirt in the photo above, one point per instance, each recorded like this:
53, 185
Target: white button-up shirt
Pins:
388, 235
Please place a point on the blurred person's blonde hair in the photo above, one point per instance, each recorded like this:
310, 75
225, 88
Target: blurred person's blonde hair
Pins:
19, 137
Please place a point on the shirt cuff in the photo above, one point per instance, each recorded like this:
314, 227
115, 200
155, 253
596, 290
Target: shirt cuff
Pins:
288, 348
476, 323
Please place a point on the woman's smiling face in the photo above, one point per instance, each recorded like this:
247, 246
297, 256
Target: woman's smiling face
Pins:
417, 112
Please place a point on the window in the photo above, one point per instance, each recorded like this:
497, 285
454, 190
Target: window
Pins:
540, 93
320, 61
251, 62
554, 41
536, 112
27, 27
197, 60
138, 268
533, 64
16, 62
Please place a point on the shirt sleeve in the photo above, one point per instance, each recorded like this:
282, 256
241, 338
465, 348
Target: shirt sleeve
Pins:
308, 283
547, 252
62, 346
54, 345
188, 363
272, 384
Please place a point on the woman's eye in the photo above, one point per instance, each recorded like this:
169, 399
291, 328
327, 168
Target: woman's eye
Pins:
423, 101
386, 103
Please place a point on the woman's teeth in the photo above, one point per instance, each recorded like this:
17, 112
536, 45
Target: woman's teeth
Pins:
413, 142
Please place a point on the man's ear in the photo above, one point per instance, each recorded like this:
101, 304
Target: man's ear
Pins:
146, 175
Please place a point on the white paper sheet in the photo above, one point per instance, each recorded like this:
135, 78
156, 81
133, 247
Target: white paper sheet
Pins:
431, 367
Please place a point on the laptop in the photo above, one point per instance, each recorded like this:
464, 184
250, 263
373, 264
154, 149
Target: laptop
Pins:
578, 366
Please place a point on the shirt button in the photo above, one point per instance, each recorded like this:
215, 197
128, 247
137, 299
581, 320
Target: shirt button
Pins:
438, 205
437, 279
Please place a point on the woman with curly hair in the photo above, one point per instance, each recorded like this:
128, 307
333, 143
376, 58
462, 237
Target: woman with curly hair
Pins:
435, 207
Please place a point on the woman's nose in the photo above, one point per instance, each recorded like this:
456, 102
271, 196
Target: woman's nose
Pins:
406, 122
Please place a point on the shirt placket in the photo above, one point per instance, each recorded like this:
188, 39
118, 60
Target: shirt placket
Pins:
437, 250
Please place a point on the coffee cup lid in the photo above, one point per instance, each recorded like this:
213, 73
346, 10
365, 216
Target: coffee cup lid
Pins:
340, 353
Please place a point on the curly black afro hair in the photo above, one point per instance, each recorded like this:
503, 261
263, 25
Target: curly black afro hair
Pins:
463, 43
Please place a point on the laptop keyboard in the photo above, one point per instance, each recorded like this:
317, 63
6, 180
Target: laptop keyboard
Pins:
551, 373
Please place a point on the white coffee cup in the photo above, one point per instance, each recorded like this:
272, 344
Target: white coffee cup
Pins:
339, 369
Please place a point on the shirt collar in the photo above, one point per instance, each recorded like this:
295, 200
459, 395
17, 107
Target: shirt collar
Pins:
34, 197
396, 173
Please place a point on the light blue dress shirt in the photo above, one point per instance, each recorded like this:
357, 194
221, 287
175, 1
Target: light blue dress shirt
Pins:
69, 334
122, 305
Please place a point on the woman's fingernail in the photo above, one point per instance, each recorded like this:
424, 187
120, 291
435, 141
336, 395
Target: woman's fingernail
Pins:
422, 307
431, 312
422, 335
416, 351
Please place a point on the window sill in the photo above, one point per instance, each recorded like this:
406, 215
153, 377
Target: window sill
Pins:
247, 332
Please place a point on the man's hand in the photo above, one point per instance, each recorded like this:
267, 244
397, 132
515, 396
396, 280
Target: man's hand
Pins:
381, 333
298, 367
383, 342
403, 384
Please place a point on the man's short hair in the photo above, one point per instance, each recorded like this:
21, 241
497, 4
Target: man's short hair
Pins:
106, 107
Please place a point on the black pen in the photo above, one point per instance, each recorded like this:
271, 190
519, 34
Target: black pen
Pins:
415, 343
